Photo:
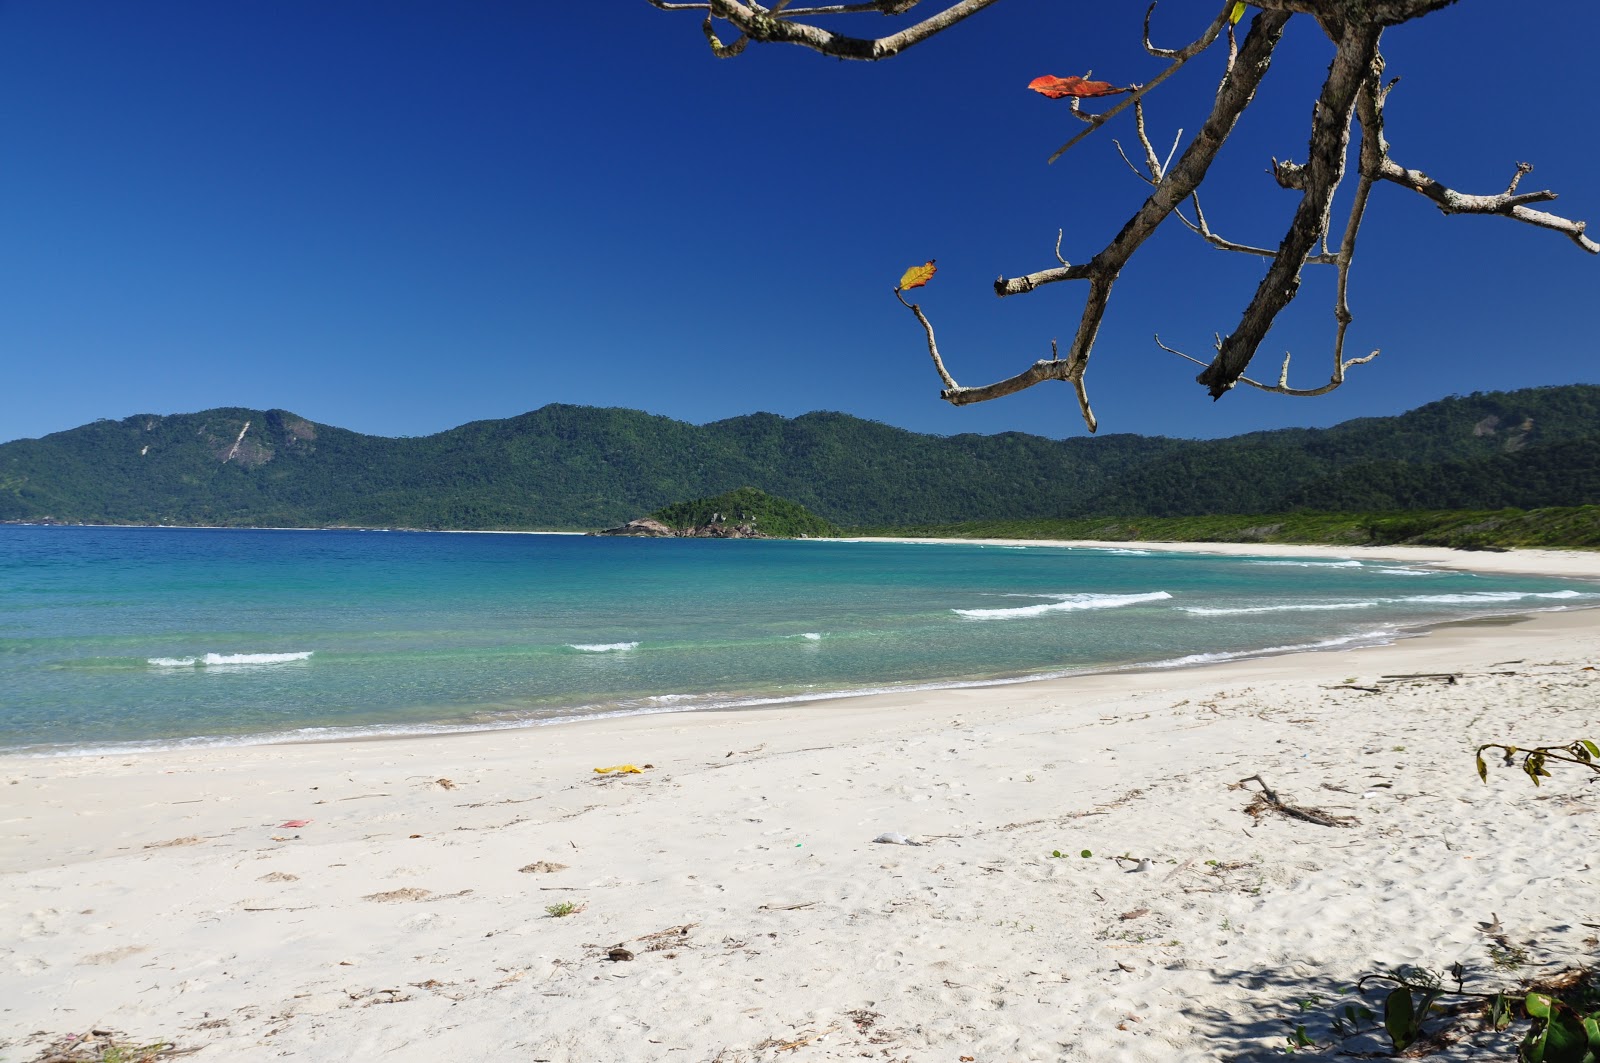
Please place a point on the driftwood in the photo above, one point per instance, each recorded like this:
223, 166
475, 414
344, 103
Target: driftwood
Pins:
1266, 800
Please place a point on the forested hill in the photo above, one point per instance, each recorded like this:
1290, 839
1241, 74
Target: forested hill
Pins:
584, 467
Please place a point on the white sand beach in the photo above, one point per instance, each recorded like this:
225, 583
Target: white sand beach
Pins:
177, 896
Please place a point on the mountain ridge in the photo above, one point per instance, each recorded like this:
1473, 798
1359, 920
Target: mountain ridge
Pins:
565, 466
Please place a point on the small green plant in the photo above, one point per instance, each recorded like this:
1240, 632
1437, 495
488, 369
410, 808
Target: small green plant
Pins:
1559, 1034
562, 909
1507, 957
1086, 854
103, 1046
1406, 1008
1297, 1040
1353, 1019
1581, 752
1564, 1012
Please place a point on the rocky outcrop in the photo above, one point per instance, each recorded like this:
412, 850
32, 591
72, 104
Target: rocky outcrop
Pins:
643, 528
647, 527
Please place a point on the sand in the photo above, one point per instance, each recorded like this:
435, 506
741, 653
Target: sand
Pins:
170, 897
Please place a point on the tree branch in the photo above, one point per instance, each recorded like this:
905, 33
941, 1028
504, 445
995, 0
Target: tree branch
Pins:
1179, 58
766, 25
1330, 141
1177, 182
1510, 203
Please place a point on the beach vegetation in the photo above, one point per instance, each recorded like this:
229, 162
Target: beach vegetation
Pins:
1571, 527
106, 1046
1562, 1011
1583, 752
562, 909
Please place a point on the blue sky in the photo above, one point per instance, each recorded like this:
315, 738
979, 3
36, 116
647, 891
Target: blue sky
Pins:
400, 216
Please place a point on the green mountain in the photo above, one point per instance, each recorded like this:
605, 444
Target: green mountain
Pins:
583, 467
775, 517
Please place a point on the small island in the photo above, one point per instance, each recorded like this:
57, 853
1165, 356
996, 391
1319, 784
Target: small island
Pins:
744, 513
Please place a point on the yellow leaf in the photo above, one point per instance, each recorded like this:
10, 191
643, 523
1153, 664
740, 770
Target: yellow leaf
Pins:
916, 276
1236, 14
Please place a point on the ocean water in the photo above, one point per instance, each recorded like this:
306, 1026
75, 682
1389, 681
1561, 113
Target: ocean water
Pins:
140, 638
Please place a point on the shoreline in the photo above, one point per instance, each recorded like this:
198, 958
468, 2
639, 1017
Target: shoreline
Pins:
1566, 564
259, 901
1576, 565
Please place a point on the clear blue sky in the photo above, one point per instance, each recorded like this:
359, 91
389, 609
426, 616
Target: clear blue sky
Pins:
400, 216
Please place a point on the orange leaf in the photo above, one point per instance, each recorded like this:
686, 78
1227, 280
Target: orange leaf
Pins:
917, 276
1057, 88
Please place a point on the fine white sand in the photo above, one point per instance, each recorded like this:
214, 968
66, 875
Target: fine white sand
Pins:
159, 895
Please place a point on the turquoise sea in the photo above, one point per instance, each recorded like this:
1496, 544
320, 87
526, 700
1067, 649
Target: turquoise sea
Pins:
139, 638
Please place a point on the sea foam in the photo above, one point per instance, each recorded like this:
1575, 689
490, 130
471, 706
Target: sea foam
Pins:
1063, 603
1309, 607
1347, 563
601, 647
225, 660
1466, 598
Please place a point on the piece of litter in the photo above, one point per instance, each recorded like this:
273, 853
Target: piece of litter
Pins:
293, 823
890, 837
620, 769
1144, 865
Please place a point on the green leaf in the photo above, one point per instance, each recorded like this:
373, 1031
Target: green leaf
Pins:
1399, 1019
1483, 769
1236, 14
1538, 1006
1055, 852
1086, 854
1566, 1041
1594, 750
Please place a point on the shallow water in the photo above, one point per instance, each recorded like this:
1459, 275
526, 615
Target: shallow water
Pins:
118, 638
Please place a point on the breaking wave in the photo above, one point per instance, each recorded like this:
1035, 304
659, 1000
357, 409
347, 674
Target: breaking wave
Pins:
225, 660
1348, 563
1063, 603
601, 647
1470, 598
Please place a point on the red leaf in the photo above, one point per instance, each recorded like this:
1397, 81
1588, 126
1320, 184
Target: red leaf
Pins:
1058, 88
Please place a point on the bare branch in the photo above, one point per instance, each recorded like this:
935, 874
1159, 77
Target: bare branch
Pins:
933, 346
1055, 369
1510, 203
1353, 62
1282, 386
762, 25
1201, 228
1179, 58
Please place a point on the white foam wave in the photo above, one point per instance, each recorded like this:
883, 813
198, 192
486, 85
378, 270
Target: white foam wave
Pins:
1468, 598
601, 647
1347, 563
1368, 637
809, 636
1129, 553
226, 660
1483, 597
1315, 607
1410, 571
1064, 603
